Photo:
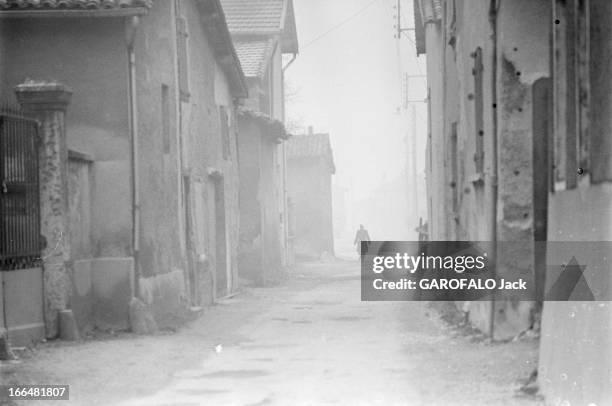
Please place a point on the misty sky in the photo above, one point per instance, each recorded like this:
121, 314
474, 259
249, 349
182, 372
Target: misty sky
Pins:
348, 83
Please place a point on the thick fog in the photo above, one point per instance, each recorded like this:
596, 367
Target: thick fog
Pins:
353, 83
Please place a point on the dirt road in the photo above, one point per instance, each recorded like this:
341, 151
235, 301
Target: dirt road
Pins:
309, 341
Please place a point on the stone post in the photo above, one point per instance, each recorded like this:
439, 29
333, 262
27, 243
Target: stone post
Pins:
47, 102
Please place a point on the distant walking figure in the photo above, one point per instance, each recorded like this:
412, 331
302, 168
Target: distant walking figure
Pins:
361, 235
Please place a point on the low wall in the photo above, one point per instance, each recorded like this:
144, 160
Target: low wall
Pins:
165, 295
22, 311
102, 290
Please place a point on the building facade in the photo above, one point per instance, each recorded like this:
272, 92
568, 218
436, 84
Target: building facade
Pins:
482, 67
148, 169
519, 151
310, 166
263, 31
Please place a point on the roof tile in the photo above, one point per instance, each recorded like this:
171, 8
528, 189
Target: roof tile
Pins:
72, 4
253, 16
253, 56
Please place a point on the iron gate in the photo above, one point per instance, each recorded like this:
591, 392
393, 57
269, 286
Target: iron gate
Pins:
19, 191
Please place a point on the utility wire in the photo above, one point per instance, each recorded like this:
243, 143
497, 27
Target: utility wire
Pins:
340, 24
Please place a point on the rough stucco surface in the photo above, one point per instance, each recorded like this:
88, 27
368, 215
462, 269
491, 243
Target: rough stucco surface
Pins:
92, 125
97, 124
171, 241
161, 241
54, 221
211, 89
260, 257
522, 59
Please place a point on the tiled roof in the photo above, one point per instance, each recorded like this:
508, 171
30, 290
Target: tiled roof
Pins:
253, 56
73, 4
310, 145
253, 16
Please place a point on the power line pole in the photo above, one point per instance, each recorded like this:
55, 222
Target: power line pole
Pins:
398, 24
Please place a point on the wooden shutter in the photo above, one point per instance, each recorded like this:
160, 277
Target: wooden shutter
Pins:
601, 91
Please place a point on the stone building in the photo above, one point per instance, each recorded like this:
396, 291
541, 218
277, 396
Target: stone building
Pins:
146, 193
519, 151
483, 68
310, 166
263, 31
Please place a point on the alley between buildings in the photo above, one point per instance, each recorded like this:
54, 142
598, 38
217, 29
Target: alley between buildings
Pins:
307, 340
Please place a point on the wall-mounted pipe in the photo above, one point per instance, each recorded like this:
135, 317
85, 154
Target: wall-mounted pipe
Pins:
131, 29
492, 181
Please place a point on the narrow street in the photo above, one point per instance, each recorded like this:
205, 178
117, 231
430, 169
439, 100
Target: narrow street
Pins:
309, 340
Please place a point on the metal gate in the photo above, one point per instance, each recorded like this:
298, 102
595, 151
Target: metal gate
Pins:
19, 191
22, 289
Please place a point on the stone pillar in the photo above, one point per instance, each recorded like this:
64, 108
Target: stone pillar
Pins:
47, 102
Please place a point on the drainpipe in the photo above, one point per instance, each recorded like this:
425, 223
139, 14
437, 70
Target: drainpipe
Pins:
131, 29
493, 11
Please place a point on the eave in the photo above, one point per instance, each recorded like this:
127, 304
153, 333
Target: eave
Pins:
214, 23
92, 13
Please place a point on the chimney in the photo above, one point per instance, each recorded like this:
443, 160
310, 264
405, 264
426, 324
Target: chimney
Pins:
310, 131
